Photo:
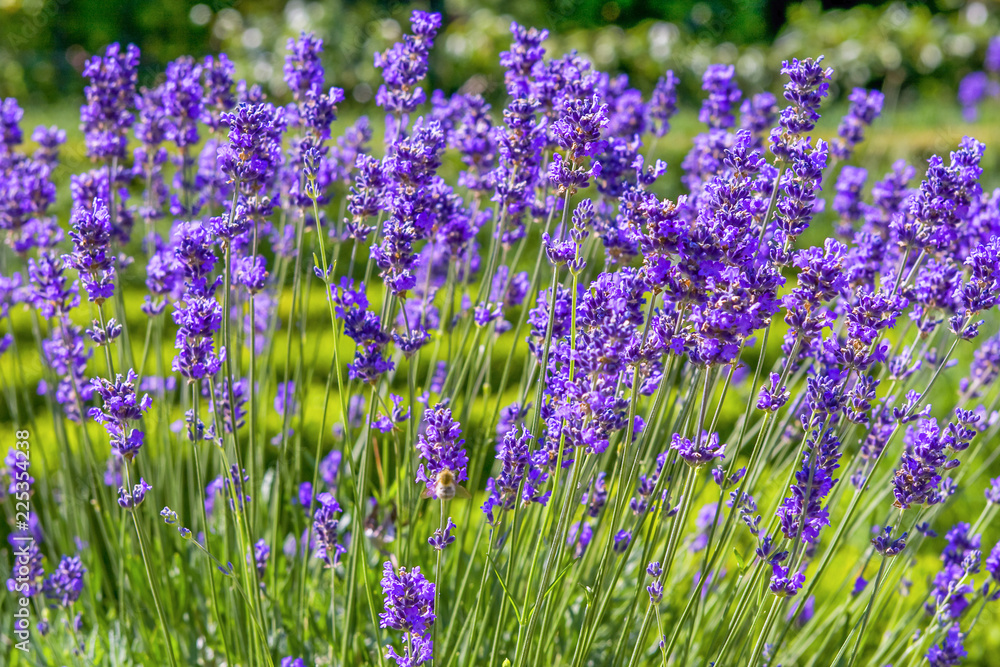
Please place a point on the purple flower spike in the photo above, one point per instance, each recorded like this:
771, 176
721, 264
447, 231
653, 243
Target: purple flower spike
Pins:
10, 124
847, 201
409, 607
663, 103
92, 256
525, 51
442, 448
802, 512
887, 546
441, 539
918, 480
579, 537
655, 591
993, 492
325, 526
757, 114
950, 651
808, 83
866, 105
198, 318
303, 68
404, 66
772, 396
106, 115
513, 454
723, 94
65, 583
217, 73
121, 408
783, 584
253, 153
938, 213
698, 453
31, 579
183, 102
578, 132
130, 500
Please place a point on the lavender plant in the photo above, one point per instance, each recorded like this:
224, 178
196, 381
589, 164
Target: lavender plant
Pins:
480, 389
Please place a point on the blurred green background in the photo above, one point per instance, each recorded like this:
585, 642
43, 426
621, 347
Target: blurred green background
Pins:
913, 50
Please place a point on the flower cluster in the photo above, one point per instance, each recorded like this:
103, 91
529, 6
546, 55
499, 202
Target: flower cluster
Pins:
106, 116
409, 607
519, 272
122, 407
442, 449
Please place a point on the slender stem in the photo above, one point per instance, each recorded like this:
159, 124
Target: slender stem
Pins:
195, 446
153, 585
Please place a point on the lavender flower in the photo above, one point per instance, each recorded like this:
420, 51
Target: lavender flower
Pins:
655, 591
441, 539
578, 133
329, 467
918, 479
284, 399
217, 74
476, 142
444, 458
757, 114
131, 499
29, 576
596, 496
252, 154
866, 105
235, 485
65, 583
121, 408
935, 216
413, 164
950, 651
409, 607
512, 452
183, 105
579, 537
49, 291
621, 541
663, 103
525, 51
49, 139
198, 318
887, 546
105, 117
697, 453
325, 526
10, 124
795, 207
993, 492
723, 94
91, 254
772, 396
783, 583
808, 83
303, 68
802, 514
519, 144
847, 202
404, 66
